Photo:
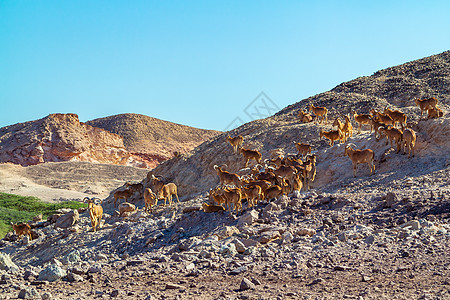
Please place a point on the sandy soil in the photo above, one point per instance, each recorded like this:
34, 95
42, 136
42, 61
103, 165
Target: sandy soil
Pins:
63, 181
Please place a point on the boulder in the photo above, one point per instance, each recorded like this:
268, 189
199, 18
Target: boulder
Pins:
52, 273
248, 219
68, 219
125, 209
6, 262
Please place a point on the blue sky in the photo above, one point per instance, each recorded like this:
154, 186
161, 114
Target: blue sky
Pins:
199, 63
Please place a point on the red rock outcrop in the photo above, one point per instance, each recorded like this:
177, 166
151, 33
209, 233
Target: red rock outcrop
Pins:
62, 137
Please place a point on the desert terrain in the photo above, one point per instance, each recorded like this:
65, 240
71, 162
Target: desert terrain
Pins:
381, 236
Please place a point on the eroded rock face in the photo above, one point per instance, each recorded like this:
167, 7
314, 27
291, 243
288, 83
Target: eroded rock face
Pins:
127, 139
60, 137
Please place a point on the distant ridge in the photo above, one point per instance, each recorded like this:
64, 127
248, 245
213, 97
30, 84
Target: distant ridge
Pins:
151, 136
127, 139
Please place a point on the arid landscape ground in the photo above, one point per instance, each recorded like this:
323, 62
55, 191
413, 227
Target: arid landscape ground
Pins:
384, 236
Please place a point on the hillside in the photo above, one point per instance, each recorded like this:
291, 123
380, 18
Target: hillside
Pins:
143, 134
396, 87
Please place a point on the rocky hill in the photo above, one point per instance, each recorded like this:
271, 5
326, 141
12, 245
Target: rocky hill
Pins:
60, 137
153, 137
395, 87
138, 140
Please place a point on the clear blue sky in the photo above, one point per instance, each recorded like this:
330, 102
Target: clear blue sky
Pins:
199, 63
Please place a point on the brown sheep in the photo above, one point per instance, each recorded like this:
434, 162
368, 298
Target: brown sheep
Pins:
409, 141
22, 229
360, 156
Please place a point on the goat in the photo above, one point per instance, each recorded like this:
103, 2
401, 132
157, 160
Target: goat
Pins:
309, 171
338, 124
348, 128
382, 118
297, 184
233, 197
362, 119
375, 126
392, 134
95, 212
426, 104
359, 157
210, 208
275, 153
263, 184
250, 155
22, 229
217, 197
167, 191
397, 116
235, 142
303, 148
150, 199
332, 135
157, 183
253, 194
276, 162
434, 113
319, 112
136, 187
273, 192
226, 177
304, 116
125, 194
409, 140
287, 172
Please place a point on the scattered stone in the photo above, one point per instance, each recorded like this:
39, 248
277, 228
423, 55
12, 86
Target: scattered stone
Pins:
369, 240
240, 247
248, 218
269, 236
6, 262
114, 293
238, 271
71, 257
28, 293
52, 273
306, 232
246, 284
317, 280
226, 231
342, 236
46, 296
341, 268
413, 224
72, 277
390, 200
173, 286
191, 209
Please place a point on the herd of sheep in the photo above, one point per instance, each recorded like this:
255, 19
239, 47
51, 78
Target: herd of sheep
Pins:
280, 174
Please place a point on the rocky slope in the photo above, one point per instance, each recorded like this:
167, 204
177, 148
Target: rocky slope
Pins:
153, 137
396, 87
139, 140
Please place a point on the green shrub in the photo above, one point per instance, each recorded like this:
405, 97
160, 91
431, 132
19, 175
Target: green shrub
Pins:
14, 208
